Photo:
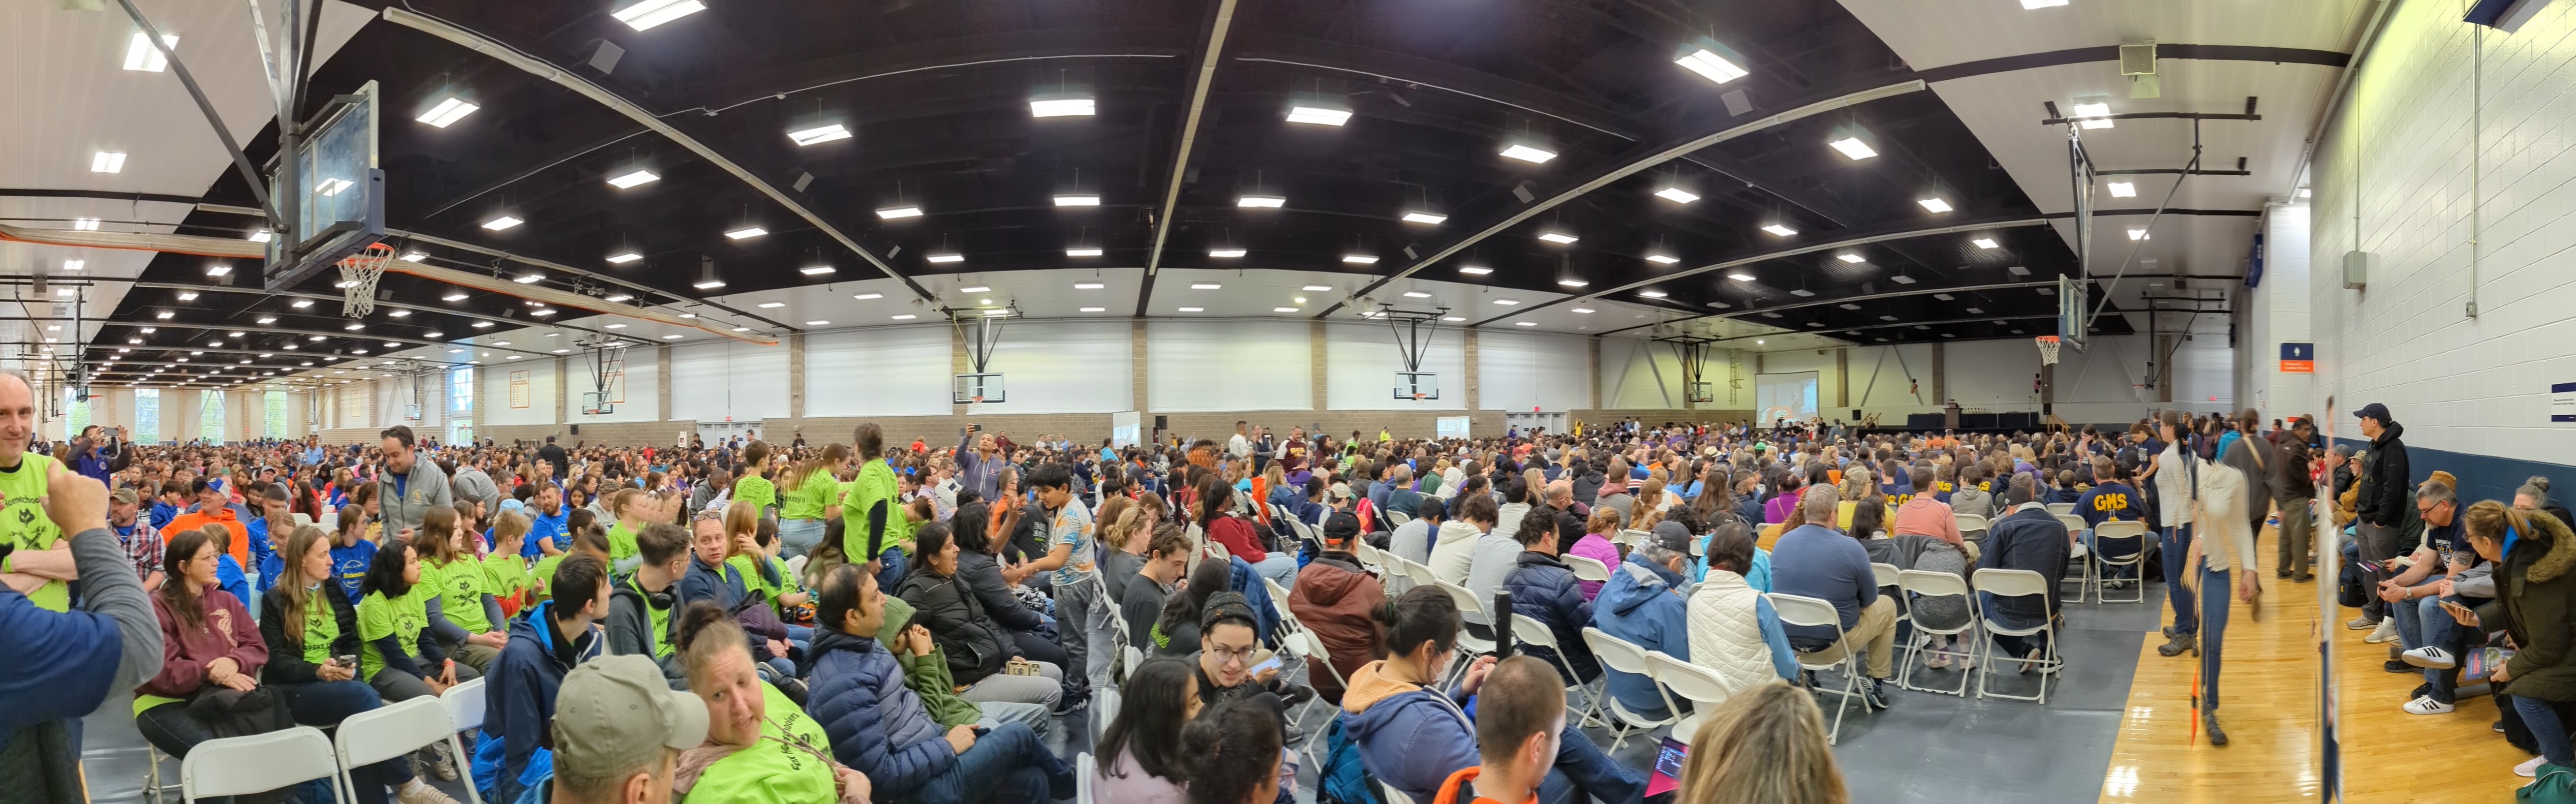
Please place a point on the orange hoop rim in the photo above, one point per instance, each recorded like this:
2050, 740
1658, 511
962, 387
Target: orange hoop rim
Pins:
2046, 338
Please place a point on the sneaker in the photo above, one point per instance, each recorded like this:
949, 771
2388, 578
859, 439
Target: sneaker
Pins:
1064, 708
2420, 691
2209, 723
422, 793
2426, 705
2386, 633
2302, 577
1874, 690
2281, 573
2180, 643
2498, 726
2395, 666
2359, 623
2529, 767
2430, 657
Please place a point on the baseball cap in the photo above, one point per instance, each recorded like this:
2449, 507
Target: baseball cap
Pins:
2374, 410
1672, 536
127, 496
1341, 491
1341, 527
617, 712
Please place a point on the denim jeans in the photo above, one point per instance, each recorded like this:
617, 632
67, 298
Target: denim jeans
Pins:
1008, 765
2015, 646
2217, 589
2176, 544
1583, 772
326, 703
798, 537
1281, 567
2542, 720
2421, 623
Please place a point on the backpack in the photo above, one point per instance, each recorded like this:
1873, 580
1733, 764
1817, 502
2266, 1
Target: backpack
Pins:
2551, 784
1343, 778
2352, 590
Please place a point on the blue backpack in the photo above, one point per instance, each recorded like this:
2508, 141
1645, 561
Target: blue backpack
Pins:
1343, 779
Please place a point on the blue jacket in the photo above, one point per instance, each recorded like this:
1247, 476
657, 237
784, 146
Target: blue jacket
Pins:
229, 577
519, 693
162, 513
877, 725
1256, 594
1545, 589
722, 584
1641, 604
1412, 739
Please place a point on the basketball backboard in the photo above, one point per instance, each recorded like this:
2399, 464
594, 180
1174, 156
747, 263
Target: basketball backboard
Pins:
338, 193
1418, 386
980, 388
2074, 315
596, 403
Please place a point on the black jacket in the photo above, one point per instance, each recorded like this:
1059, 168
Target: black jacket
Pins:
286, 664
983, 576
2385, 489
2028, 540
976, 645
630, 627
1587, 487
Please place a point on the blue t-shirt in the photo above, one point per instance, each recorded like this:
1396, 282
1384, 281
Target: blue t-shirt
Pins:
542, 528
349, 566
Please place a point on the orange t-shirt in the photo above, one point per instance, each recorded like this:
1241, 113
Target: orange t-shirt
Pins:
1459, 789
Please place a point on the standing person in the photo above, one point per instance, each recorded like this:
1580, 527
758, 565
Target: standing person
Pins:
2173, 472
552, 454
62, 663
813, 497
2532, 552
309, 627
556, 636
408, 486
872, 521
2223, 561
2382, 504
979, 464
2297, 489
754, 487
1082, 612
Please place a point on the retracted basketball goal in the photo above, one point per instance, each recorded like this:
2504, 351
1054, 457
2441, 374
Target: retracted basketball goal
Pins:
1413, 330
981, 328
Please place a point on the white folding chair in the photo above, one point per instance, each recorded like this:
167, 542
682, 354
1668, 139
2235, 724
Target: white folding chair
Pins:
1084, 767
1886, 574
2120, 531
1586, 569
1304, 643
464, 703
1528, 630
796, 567
1926, 583
2061, 508
1104, 707
1469, 645
1392, 795
302, 519
1972, 528
1370, 558
1810, 612
1698, 685
1633, 537
376, 735
2083, 575
2004, 583
233, 766
1416, 572
1398, 519
1626, 657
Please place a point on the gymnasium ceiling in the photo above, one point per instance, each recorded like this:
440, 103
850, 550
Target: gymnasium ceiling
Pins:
936, 96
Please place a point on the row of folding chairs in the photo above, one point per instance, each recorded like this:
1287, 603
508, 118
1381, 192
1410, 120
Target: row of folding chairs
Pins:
234, 766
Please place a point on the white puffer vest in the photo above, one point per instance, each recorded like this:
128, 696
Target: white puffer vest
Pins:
1726, 632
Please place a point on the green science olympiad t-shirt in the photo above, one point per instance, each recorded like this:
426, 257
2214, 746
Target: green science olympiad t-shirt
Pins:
24, 526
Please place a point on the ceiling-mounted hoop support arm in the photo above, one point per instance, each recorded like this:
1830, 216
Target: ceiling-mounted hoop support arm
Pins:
241, 161
603, 353
1413, 330
1692, 352
982, 333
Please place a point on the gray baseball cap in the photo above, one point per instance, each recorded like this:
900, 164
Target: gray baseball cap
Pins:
617, 712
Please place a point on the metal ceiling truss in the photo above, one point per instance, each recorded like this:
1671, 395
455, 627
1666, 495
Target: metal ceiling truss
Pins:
2045, 283
1217, 27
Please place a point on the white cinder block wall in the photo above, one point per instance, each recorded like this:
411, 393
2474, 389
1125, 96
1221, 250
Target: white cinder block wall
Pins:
2395, 178
2278, 314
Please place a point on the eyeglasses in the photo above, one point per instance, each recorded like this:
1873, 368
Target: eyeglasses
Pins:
1233, 655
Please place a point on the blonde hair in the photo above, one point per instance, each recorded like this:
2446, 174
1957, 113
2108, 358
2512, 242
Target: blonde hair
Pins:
292, 588
1765, 745
509, 525
739, 520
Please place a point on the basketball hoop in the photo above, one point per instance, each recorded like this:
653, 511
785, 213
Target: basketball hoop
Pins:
358, 276
2047, 349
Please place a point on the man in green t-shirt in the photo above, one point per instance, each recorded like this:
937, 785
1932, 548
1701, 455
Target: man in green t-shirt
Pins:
41, 565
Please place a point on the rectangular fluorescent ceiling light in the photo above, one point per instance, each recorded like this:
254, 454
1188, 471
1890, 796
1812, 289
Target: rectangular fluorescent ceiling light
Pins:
267, 320
1677, 195
1475, 270
1902, 279
2090, 109
1060, 107
1780, 230
946, 258
819, 134
218, 270
1318, 115
1712, 66
891, 213
1524, 323
85, 224
1651, 294
1851, 258
190, 295
1572, 283
976, 289
1089, 285
746, 233
1318, 288
707, 284
301, 303
815, 270
2122, 189
633, 178
818, 323
1082, 252
106, 162
1424, 217
1283, 309
2306, 192
2103, 122
2030, 4
624, 258
1077, 200
1205, 286
447, 112
1853, 147
1934, 204
74, 265
905, 317
1583, 310
260, 236
1559, 238
1660, 258
644, 14
1261, 201
2137, 234
1095, 309
414, 256
1740, 277
1359, 259
1983, 242
1507, 302
141, 56
1416, 294
1225, 252
1193, 309
613, 298
528, 279
772, 305
454, 297
1528, 154
1453, 319
500, 223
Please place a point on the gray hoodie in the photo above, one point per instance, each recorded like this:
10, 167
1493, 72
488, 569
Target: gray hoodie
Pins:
423, 487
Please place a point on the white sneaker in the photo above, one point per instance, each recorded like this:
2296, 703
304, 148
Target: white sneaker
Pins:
2529, 767
2429, 657
2425, 705
2387, 632
2359, 623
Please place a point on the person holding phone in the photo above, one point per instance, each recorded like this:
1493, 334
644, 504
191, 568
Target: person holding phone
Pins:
2533, 552
1228, 667
311, 631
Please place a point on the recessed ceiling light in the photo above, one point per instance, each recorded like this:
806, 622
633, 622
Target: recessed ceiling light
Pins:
1971, 311
415, 256
1528, 154
2122, 189
1851, 258
818, 323
1077, 200
644, 14
1453, 318
2095, 109
190, 295
1983, 242
107, 162
2096, 122
388, 345
2306, 192
1583, 310
1060, 107
1652, 294
1887, 318
617, 326
815, 270
1359, 259
975, 289
1283, 309
1261, 201
632, 178
1712, 66
891, 213
746, 233
1476, 270
1557, 237
260, 236
1944, 296
614, 297
2137, 234
2031, 4
354, 327
1572, 283
1095, 309
75, 265
1677, 195
529, 278
1088, 251
391, 313
500, 223
1848, 306
1660, 258
1524, 323
218, 269
819, 134
1802, 292
1316, 288
772, 305
1227, 253
1507, 302
141, 56
267, 319
670, 337
706, 284
868, 296
1206, 286
1853, 147
1193, 309
1416, 294
1934, 204
945, 258
1424, 217
1318, 115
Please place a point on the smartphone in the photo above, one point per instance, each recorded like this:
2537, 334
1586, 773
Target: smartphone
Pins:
1269, 664
2459, 609
345, 661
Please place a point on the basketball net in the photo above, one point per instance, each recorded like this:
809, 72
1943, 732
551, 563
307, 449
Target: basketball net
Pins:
2047, 349
358, 276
